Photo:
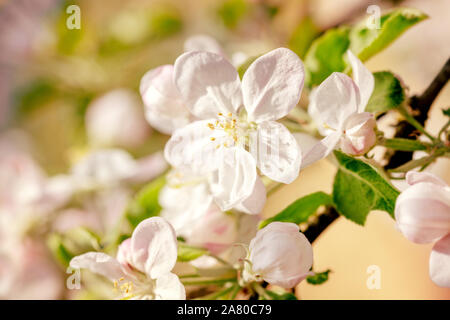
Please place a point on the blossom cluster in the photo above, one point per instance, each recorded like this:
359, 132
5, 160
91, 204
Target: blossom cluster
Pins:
228, 143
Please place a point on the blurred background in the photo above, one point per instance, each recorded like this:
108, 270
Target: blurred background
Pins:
55, 81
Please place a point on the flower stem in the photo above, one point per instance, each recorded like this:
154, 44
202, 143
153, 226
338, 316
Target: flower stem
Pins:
415, 123
208, 282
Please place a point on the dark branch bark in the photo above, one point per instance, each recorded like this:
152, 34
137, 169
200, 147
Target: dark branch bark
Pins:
421, 106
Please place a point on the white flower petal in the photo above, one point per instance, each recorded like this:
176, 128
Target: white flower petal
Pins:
363, 79
154, 247
256, 201
272, 85
99, 263
235, 179
322, 149
278, 154
422, 212
281, 254
169, 287
193, 148
105, 167
202, 42
413, 177
208, 83
440, 262
164, 106
150, 167
335, 100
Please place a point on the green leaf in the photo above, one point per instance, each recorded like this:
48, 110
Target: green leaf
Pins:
402, 144
446, 112
303, 36
366, 42
388, 93
145, 204
232, 11
318, 278
72, 243
165, 22
301, 209
325, 55
187, 253
358, 189
280, 296
33, 95
59, 250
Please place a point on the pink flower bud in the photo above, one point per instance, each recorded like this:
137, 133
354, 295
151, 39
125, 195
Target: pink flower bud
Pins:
164, 107
117, 119
422, 212
281, 255
359, 134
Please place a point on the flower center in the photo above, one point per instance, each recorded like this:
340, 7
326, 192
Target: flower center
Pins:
235, 130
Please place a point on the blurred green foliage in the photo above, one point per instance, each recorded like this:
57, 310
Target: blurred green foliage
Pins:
231, 12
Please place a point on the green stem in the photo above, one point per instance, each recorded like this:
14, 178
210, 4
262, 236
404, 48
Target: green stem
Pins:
208, 282
220, 260
216, 295
260, 291
415, 123
444, 128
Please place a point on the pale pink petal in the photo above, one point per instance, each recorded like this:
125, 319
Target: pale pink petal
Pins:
363, 79
104, 167
272, 85
235, 178
281, 254
164, 106
277, 152
202, 42
169, 287
422, 212
192, 147
124, 253
359, 134
215, 230
150, 167
413, 177
322, 149
116, 119
208, 83
256, 201
335, 100
100, 263
440, 262
154, 247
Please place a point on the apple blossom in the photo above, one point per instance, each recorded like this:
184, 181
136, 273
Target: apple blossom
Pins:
422, 212
196, 193
279, 254
111, 167
116, 119
143, 265
337, 106
164, 106
28, 272
236, 119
